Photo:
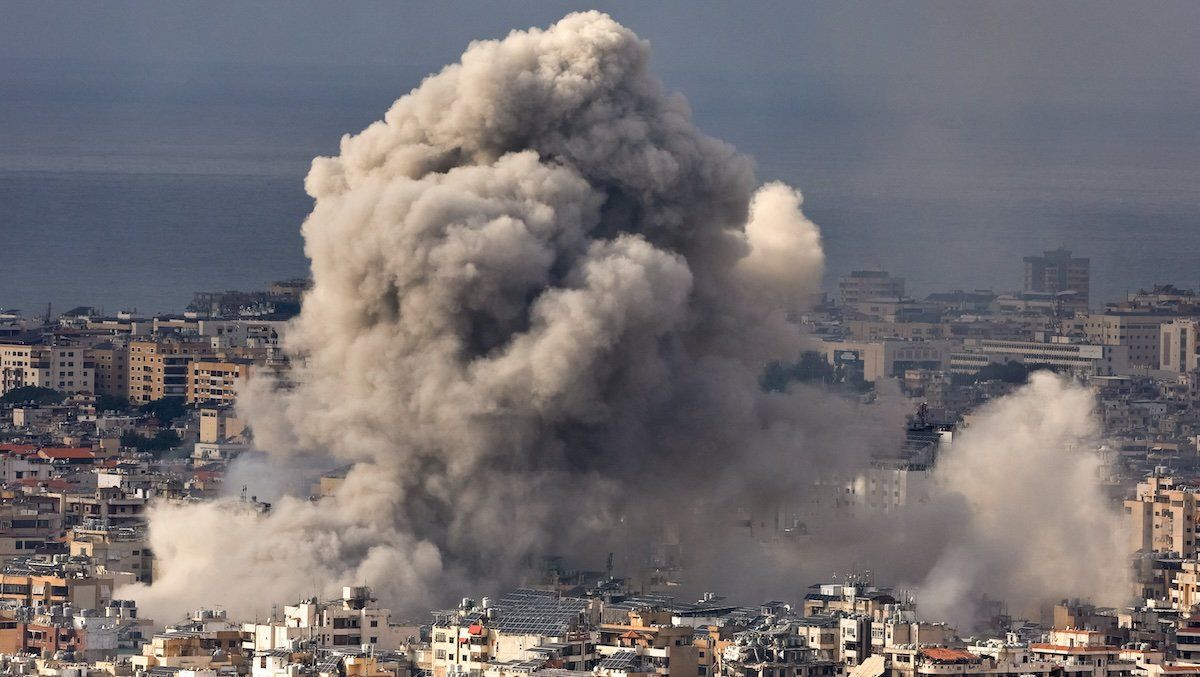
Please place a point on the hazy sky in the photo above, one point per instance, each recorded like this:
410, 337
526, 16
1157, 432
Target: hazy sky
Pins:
941, 139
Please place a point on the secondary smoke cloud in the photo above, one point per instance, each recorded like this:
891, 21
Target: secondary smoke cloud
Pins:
542, 302
1027, 522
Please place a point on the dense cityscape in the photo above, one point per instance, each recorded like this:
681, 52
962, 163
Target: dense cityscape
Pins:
569, 388
104, 415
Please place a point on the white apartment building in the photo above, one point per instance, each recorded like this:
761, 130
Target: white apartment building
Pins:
352, 622
242, 333
1179, 350
889, 484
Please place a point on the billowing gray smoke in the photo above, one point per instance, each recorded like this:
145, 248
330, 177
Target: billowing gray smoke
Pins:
542, 302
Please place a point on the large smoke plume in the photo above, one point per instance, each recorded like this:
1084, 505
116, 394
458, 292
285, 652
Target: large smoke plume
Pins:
542, 302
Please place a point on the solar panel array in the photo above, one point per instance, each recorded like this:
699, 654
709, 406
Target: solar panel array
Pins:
527, 666
329, 665
651, 600
538, 612
622, 661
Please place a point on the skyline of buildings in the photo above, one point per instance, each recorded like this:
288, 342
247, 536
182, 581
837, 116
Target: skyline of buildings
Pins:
572, 388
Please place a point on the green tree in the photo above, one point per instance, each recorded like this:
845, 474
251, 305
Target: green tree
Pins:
163, 440
32, 394
165, 410
111, 403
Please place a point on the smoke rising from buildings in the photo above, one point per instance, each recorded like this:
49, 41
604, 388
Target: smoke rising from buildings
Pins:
542, 303
1031, 524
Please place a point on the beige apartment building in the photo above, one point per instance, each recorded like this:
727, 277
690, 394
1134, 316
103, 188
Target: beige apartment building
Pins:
219, 424
1137, 332
217, 381
33, 362
649, 640
1163, 516
115, 548
161, 368
112, 369
1185, 586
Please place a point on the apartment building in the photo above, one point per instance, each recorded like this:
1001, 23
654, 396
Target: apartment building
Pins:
218, 424
1164, 516
1179, 342
649, 644
1057, 271
522, 626
219, 650
46, 364
217, 381
1187, 638
224, 334
26, 526
36, 583
1184, 586
161, 367
1081, 653
114, 548
861, 285
836, 598
889, 484
350, 623
112, 368
1138, 333
109, 505
48, 630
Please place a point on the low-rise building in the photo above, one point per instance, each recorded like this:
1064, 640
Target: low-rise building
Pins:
352, 622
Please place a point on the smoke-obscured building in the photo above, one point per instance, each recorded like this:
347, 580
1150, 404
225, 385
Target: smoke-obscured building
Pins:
1057, 271
876, 360
862, 285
